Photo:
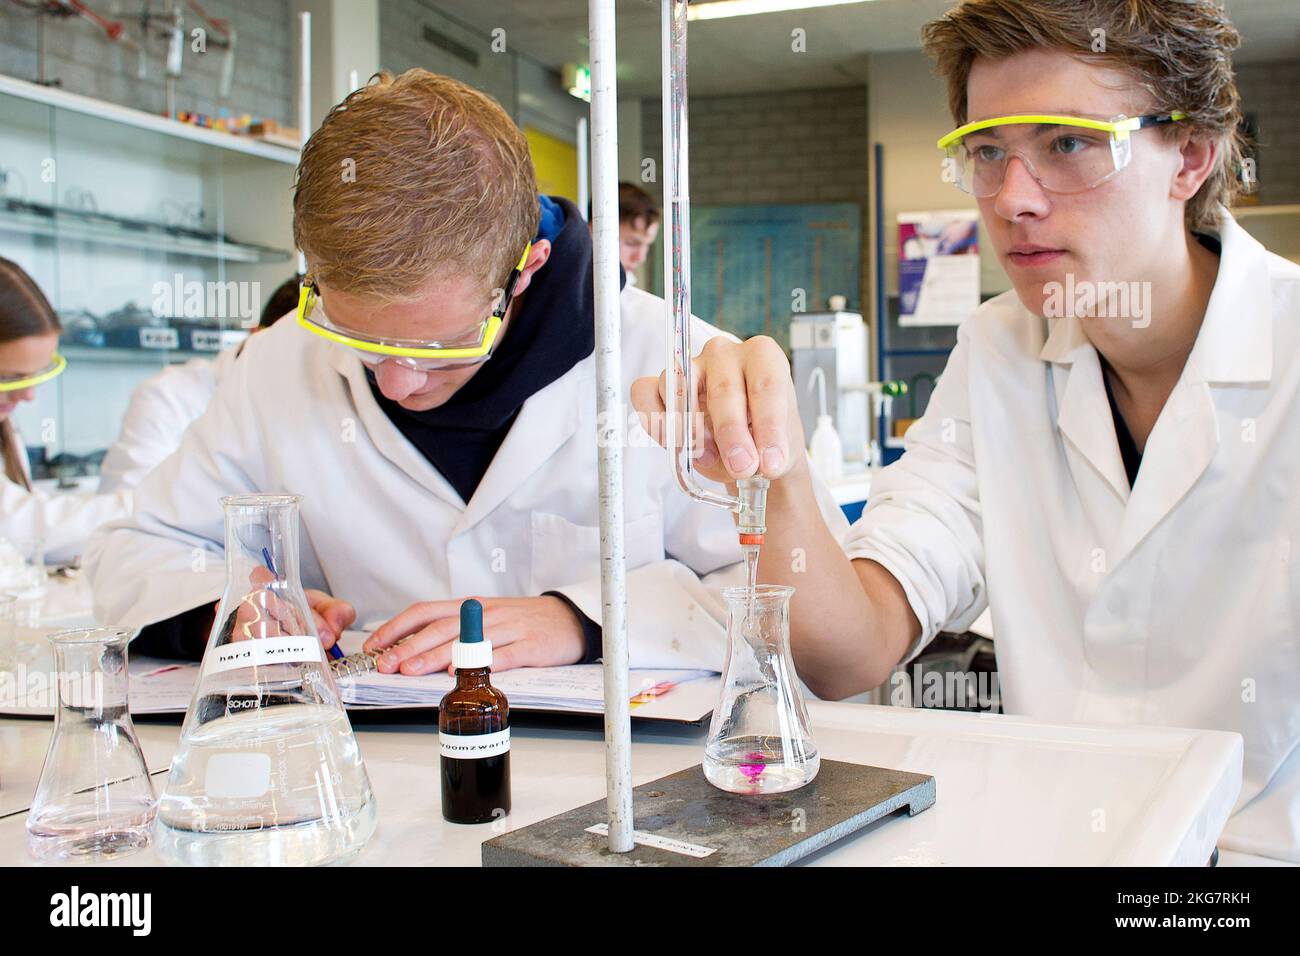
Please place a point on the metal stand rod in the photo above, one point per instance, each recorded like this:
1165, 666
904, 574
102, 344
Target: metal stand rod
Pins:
610, 419
304, 97
584, 188
304, 77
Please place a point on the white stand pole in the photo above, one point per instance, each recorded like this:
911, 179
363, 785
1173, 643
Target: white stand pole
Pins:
610, 426
584, 187
304, 97
304, 77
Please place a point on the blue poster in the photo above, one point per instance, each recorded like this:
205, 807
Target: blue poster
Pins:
752, 266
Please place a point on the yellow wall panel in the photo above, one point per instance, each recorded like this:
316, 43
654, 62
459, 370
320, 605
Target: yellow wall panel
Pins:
556, 163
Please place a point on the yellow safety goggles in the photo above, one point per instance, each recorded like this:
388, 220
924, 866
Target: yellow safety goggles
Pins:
1066, 154
473, 348
15, 383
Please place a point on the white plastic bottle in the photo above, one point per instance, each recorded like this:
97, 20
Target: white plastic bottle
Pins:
826, 450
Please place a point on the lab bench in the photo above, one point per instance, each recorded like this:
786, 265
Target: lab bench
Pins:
1010, 790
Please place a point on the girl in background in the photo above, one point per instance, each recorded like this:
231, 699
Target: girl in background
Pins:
29, 337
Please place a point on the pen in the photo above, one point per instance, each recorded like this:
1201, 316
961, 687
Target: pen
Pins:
336, 652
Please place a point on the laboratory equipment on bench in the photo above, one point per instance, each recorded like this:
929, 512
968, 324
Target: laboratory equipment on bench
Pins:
750, 501
267, 771
831, 347
836, 343
759, 741
825, 448
761, 769
94, 799
474, 730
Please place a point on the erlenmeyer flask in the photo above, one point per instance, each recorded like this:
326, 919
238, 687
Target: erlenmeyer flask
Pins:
94, 799
759, 740
268, 771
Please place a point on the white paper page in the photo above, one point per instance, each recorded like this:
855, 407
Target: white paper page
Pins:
577, 684
579, 688
155, 687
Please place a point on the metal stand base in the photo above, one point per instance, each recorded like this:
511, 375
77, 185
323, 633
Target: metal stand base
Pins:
683, 820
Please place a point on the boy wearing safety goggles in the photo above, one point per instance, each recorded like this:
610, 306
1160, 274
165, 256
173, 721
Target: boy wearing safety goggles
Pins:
434, 404
1109, 461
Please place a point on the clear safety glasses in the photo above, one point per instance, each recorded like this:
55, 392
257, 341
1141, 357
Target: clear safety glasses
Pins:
472, 348
1066, 154
16, 383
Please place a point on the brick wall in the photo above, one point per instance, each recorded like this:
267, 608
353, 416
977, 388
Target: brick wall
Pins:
802, 146
402, 46
85, 61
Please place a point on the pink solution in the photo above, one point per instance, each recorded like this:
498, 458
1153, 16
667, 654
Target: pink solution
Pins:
753, 770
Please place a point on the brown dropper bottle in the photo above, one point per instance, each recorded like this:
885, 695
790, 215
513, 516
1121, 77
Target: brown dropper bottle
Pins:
474, 730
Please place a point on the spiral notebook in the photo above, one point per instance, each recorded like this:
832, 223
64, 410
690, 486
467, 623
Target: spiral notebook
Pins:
681, 695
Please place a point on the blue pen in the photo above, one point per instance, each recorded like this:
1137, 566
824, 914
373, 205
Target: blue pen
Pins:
336, 652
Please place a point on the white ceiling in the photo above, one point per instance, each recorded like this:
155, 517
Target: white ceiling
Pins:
753, 53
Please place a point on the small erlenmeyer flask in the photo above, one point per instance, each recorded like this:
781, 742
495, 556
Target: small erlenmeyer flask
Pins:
267, 771
94, 798
759, 740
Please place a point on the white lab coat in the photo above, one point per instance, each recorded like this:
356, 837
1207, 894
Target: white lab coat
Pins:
1176, 603
382, 528
161, 408
57, 523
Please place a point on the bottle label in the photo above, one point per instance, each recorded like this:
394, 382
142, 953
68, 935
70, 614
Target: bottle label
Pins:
262, 652
474, 746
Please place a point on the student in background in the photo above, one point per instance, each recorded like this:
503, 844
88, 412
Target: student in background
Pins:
56, 524
163, 406
638, 227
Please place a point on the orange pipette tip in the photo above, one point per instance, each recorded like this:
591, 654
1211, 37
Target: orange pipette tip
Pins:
751, 539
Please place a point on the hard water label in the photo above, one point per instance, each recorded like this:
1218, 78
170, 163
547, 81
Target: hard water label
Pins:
474, 746
264, 651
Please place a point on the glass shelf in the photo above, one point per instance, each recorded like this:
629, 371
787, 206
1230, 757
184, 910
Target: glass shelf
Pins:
160, 135
38, 220
117, 215
108, 353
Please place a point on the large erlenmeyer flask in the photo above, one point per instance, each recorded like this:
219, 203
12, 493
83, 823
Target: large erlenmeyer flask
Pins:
759, 740
267, 771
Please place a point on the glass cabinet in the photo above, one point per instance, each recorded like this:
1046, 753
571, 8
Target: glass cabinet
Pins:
155, 241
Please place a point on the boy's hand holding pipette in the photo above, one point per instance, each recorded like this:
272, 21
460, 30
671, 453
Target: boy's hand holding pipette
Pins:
746, 402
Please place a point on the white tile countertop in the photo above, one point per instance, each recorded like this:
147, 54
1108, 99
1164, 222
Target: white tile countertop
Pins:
1010, 791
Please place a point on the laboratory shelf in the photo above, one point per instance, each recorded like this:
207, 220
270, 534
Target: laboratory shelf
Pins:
116, 213
89, 353
85, 226
134, 119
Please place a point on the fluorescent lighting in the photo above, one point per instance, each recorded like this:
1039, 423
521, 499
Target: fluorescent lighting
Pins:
718, 9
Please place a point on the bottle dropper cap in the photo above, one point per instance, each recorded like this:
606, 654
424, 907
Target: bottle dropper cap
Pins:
470, 650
